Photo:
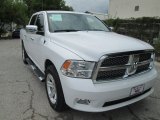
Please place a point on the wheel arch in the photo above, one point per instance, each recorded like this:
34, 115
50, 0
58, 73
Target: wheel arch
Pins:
48, 63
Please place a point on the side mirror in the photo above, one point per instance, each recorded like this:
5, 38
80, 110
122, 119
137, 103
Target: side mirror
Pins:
111, 28
32, 29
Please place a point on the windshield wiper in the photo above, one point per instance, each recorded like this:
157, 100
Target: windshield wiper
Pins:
96, 30
67, 30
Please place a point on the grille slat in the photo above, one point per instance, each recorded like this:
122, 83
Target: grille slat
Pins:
142, 68
144, 57
120, 60
102, 75
123, 60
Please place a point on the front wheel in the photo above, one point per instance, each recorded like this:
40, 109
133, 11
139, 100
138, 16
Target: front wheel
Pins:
54, 90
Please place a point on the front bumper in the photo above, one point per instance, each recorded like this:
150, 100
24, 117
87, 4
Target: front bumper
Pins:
99, 94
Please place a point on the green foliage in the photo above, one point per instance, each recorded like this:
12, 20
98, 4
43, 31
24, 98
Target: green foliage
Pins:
19, 11
157, 45
12, 11
145, 28
146, 20
39, 5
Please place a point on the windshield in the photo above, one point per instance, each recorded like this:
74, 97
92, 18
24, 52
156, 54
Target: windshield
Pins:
68, 22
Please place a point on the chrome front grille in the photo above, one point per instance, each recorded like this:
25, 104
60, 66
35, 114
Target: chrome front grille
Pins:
123, 65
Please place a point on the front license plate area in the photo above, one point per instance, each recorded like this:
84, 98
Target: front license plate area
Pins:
137, 90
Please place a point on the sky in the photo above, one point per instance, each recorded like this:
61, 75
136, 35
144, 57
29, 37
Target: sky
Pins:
98, 6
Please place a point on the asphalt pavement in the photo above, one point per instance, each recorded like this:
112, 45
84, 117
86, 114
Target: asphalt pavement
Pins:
23, 96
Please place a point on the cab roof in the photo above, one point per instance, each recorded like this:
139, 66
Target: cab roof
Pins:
52, 11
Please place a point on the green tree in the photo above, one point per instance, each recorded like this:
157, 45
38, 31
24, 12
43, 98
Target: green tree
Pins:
39, 5
19, 11
12, 11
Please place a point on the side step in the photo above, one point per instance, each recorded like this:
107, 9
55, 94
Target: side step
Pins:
38, 73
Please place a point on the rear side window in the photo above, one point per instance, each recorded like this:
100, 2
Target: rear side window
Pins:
33, 20
40, 23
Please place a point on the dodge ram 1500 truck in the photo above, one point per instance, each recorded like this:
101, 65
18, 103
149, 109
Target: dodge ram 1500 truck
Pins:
84, 64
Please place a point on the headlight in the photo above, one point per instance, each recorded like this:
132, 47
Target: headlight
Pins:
77, 69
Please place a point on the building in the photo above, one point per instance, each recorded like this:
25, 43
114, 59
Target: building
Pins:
134, 8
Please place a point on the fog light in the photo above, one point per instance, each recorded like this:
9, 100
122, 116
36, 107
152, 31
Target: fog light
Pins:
83, 101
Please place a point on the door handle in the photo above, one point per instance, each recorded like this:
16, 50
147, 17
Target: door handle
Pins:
32, 39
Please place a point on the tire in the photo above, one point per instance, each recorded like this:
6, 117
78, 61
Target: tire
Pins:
54, 90
24, 54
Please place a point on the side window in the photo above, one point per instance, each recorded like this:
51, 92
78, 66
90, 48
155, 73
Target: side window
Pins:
40, 23
32, 22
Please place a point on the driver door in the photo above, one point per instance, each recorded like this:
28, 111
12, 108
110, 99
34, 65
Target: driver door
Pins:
29, 38
39, 42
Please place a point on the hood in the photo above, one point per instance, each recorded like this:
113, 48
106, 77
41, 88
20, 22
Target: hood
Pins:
92, 45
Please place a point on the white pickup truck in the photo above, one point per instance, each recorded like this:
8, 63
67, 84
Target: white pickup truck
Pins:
84, 64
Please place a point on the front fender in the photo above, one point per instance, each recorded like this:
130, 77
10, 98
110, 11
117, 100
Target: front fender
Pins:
58, 55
